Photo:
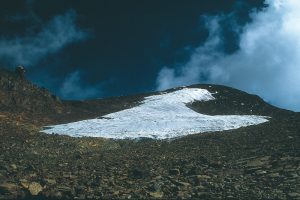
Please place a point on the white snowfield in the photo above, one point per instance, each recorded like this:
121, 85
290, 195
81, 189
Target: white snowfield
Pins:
160, 116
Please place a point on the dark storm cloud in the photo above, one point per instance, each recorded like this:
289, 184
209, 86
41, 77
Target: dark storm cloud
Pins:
29, 15
267, 61
28, 50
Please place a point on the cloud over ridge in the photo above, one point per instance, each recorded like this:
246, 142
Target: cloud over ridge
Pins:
73, 87
267, 62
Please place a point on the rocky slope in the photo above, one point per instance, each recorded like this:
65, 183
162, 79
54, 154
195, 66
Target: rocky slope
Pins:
19, 95
256, 162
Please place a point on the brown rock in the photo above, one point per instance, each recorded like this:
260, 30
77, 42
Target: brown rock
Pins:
8, 188
203, 177
260, 172
255, 163
273, 175
156, 194
13, 166
50, 181
294, 195
181, 183
35, 188
24, 183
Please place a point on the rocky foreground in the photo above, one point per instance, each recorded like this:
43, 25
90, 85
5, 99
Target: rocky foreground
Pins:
256, 162
249, 163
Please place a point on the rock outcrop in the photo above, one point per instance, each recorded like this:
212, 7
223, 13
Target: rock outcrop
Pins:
19, 95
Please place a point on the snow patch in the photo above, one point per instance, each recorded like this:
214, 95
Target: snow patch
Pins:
160, 116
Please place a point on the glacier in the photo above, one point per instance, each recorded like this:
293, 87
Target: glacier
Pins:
161, 116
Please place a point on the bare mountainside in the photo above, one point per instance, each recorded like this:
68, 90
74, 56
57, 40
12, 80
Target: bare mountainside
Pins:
254, 162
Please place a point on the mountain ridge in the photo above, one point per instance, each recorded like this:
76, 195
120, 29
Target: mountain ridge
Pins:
19, 95
254, 162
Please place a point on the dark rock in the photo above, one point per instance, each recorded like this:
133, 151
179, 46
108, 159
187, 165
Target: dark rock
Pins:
216, 164
79, 188
274, 175
193, 171
204, 195
174, 172
154, 186
137, 173
64, 189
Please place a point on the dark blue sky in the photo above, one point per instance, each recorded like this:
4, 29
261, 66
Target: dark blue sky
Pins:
98, 48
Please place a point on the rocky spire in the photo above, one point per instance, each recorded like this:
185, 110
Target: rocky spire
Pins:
20, 71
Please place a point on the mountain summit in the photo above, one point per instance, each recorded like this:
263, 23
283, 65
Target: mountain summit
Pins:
201, 141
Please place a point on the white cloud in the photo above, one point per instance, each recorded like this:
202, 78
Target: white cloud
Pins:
74, 88
203, 57
30, 49
267, 62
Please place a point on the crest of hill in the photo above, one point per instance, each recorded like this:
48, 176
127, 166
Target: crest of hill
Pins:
230, 101
19, 95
